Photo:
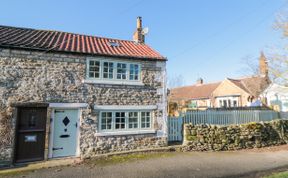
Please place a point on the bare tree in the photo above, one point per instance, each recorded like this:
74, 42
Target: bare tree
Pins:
251, 66
279, 58
175, 81
279, 68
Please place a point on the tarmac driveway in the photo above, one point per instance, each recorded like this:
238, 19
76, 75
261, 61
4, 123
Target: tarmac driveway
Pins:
193, 164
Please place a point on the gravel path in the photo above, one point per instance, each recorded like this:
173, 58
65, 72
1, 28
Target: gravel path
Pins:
193, 164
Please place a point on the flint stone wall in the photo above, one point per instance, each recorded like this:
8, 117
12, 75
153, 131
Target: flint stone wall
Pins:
31, 76
122, 143
234, 137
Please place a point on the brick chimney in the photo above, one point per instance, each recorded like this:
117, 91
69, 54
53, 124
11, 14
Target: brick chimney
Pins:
263, 65
138, 37
199, 81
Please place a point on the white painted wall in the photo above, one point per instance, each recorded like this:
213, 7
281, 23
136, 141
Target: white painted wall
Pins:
277, 95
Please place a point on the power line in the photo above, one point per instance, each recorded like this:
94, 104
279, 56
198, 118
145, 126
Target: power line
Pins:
248, 31
215, 34
132, 6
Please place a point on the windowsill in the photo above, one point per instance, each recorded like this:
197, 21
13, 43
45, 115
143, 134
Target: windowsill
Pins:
134, 132
124, 107
113, 82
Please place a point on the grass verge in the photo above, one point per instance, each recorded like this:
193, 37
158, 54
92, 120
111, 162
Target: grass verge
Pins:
17, 172
278, 175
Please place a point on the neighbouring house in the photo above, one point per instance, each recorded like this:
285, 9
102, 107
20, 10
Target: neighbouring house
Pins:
241, 92
198, 96
277, 97
65, 94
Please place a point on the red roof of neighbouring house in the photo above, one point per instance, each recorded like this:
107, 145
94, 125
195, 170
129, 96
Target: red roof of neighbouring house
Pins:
25, 38
198, 91
254, 85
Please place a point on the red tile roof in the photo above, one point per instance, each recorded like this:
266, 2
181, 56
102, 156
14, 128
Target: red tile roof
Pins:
255, 85
69, 42
198, 91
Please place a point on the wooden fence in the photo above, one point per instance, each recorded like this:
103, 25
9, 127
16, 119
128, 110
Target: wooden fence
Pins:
175, 124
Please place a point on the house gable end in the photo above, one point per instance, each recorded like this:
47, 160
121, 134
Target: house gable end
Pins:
228, 88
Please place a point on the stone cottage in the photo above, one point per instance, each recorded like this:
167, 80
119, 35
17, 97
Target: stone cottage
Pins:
72, 95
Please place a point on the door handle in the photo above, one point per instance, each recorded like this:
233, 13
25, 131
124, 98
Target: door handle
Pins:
64, 136
57, 148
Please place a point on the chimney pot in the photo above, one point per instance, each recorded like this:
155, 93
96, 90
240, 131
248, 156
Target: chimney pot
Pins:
139, 22
200, 81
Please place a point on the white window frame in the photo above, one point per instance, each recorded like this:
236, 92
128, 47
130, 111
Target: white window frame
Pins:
121, 74
120, 123
108, 73
128, 122
114, 80
106, 122
114, 130
228, 99
88, 71
134, 74
145, 122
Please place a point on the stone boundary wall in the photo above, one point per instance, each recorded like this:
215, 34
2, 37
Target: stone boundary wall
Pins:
234, 137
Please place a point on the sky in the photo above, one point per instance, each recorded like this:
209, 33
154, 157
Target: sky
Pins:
200, 38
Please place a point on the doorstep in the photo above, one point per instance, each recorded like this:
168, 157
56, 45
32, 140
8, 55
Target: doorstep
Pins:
40, 165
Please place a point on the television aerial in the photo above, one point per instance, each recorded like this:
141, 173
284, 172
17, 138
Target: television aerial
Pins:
145, 31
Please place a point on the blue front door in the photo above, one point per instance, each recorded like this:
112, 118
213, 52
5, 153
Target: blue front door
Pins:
65, 132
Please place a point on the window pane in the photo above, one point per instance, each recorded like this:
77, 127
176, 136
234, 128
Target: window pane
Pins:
145, 120
106, 121
91, 74
108, 70
134, 72
94, 69
120, 120
225, 103
121, 71
133, 120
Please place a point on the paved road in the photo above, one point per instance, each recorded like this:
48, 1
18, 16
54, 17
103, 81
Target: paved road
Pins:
193, 164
